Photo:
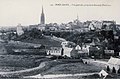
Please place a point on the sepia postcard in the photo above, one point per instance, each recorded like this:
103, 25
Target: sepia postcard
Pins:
59, 39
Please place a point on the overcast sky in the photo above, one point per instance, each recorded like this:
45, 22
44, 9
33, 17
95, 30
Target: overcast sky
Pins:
28, 12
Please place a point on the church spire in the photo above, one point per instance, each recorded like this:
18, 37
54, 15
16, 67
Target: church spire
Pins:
42, 10
42, 17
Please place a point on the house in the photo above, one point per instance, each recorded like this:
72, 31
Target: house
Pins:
107, 51
19, 30
77, 52
86, 48
65, 43
41, 27
78, 47
103, 73
67, 48
67, 51
114, 63
92, 27
57, 51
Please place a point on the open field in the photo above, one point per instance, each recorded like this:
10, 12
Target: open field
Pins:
19, 66
72, 68
50, 67
19, 62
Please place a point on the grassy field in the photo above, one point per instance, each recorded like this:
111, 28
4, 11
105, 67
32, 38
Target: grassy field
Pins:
72, 68
51, 67
19, 62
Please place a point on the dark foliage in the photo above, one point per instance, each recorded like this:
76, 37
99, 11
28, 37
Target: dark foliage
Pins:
108, 69
29, 35
113, 70
119, 70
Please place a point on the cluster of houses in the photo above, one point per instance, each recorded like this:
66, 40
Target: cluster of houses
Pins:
74, 51
76, 25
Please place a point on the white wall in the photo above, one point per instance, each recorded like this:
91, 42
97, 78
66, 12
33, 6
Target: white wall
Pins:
54, 52
19, 30
67, 51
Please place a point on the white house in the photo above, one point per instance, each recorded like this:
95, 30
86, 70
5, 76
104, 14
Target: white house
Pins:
19, 30
114, 62
86, 47
77, 52
91, 26
103, 73
109, 51
64, 44
66, 48
67, 51
57, 51
77, 47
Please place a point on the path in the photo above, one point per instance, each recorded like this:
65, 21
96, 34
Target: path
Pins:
59, 75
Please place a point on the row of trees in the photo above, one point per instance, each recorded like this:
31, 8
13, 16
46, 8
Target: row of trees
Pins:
113, 70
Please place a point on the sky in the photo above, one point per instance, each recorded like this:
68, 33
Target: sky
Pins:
28, 12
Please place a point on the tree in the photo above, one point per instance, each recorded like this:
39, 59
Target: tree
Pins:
119, 70
113, 70
108, 69
85, 62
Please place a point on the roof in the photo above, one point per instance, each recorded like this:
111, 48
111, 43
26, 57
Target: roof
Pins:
54, 48
114, 61
77, 47
103, 73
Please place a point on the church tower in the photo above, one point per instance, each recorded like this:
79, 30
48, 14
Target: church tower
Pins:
42, 17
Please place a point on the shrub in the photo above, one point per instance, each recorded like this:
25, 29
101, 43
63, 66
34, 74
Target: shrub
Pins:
108, 69
119, 70
113, 70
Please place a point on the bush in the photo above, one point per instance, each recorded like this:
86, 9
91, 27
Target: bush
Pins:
119, 70
85, 62
113, 70
108, 69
